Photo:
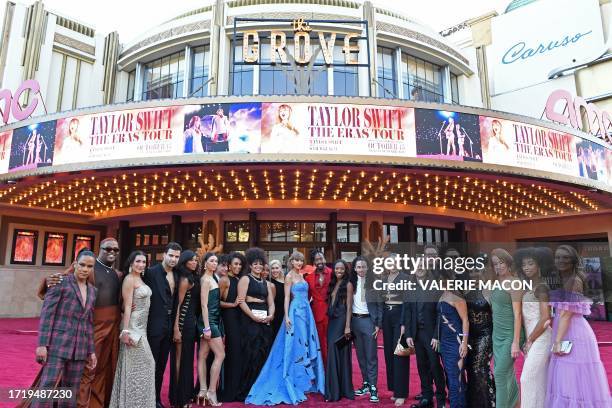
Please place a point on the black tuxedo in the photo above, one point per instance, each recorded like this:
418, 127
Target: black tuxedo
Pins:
420, 313
161, 319
421, 324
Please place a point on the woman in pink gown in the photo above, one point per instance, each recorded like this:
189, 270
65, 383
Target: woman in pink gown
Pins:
576, 379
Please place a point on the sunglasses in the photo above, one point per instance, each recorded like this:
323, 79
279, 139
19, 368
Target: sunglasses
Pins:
109, 249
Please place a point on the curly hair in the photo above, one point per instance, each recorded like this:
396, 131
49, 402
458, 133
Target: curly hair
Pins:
255, 254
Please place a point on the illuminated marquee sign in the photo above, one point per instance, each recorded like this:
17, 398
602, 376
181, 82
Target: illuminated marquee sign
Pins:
302, 128
295, 41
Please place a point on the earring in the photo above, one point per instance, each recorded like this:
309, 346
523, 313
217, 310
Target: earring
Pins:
130, 270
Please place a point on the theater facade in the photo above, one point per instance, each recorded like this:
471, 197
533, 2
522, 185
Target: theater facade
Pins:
285, 125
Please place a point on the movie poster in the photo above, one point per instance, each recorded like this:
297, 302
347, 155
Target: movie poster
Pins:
119, 135
447, 135
594, 287
81, 242
5, 150
337, 129
32, 146
593, 161
71, 141
223, 127
24, 247
55, 248
532, 147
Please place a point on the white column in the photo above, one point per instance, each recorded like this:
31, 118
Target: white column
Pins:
364, 74
255, 79
138, 82
330, 81
399, 72
446, 85
187, 71
224, 66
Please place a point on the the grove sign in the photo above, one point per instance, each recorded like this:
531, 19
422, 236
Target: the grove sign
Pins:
304, 39
599, 121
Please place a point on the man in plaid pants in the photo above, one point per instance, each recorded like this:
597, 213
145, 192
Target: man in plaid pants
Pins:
65, 335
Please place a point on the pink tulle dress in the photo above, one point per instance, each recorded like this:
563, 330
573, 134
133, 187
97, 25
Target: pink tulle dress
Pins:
578, 379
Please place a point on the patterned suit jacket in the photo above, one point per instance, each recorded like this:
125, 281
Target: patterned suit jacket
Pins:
66, 327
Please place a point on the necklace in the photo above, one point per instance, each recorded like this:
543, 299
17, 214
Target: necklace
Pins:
260, 280
108, 269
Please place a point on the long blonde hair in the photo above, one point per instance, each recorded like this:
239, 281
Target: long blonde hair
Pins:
279, 120
295, 256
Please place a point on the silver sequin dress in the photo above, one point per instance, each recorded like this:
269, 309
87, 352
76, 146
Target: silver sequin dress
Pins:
134, 384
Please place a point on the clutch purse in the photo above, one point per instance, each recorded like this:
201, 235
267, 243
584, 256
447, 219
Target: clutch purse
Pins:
565, 347
401, 350
261, 314
342, 341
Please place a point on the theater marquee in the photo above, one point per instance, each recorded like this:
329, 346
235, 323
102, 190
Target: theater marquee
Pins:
279, 126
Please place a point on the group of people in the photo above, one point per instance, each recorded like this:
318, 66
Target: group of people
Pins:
199, 139
33, 147
265, 337
454, 131
476, 327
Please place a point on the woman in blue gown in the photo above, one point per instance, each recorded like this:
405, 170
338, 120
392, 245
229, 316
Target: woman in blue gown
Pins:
294, 366
453, 328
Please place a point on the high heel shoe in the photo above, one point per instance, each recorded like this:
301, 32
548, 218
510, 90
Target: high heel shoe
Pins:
212, 399
201, 397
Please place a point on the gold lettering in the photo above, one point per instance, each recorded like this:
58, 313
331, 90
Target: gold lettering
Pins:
250, 53
348, 49
300, 25
302, 52
275, 46
327, 47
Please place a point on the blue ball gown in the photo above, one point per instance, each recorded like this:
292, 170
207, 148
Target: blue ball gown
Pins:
294, 366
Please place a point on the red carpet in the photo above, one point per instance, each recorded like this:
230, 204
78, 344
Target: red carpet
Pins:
18, 341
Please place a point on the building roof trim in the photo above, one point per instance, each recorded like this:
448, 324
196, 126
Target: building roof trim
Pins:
174, 32
197, 11
333, 3
422, 38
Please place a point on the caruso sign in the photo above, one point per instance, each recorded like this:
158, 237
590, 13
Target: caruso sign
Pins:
295, 41
522, 51
532, 41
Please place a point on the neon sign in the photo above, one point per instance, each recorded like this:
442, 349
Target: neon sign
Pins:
599, 121
11, 102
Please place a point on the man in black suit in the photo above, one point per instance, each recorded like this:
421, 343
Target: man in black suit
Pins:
163, 281
420, 330
365, 325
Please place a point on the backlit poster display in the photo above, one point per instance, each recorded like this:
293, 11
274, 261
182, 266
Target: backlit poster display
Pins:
224, 127
119, 135
532, 147
447, 135
337, 129
32, 146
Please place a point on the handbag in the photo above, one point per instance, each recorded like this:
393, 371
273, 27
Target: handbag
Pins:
565, 347
260, 314
343, 341
401, 350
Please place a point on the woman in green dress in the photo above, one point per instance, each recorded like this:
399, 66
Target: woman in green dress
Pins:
506, 332
212, 333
